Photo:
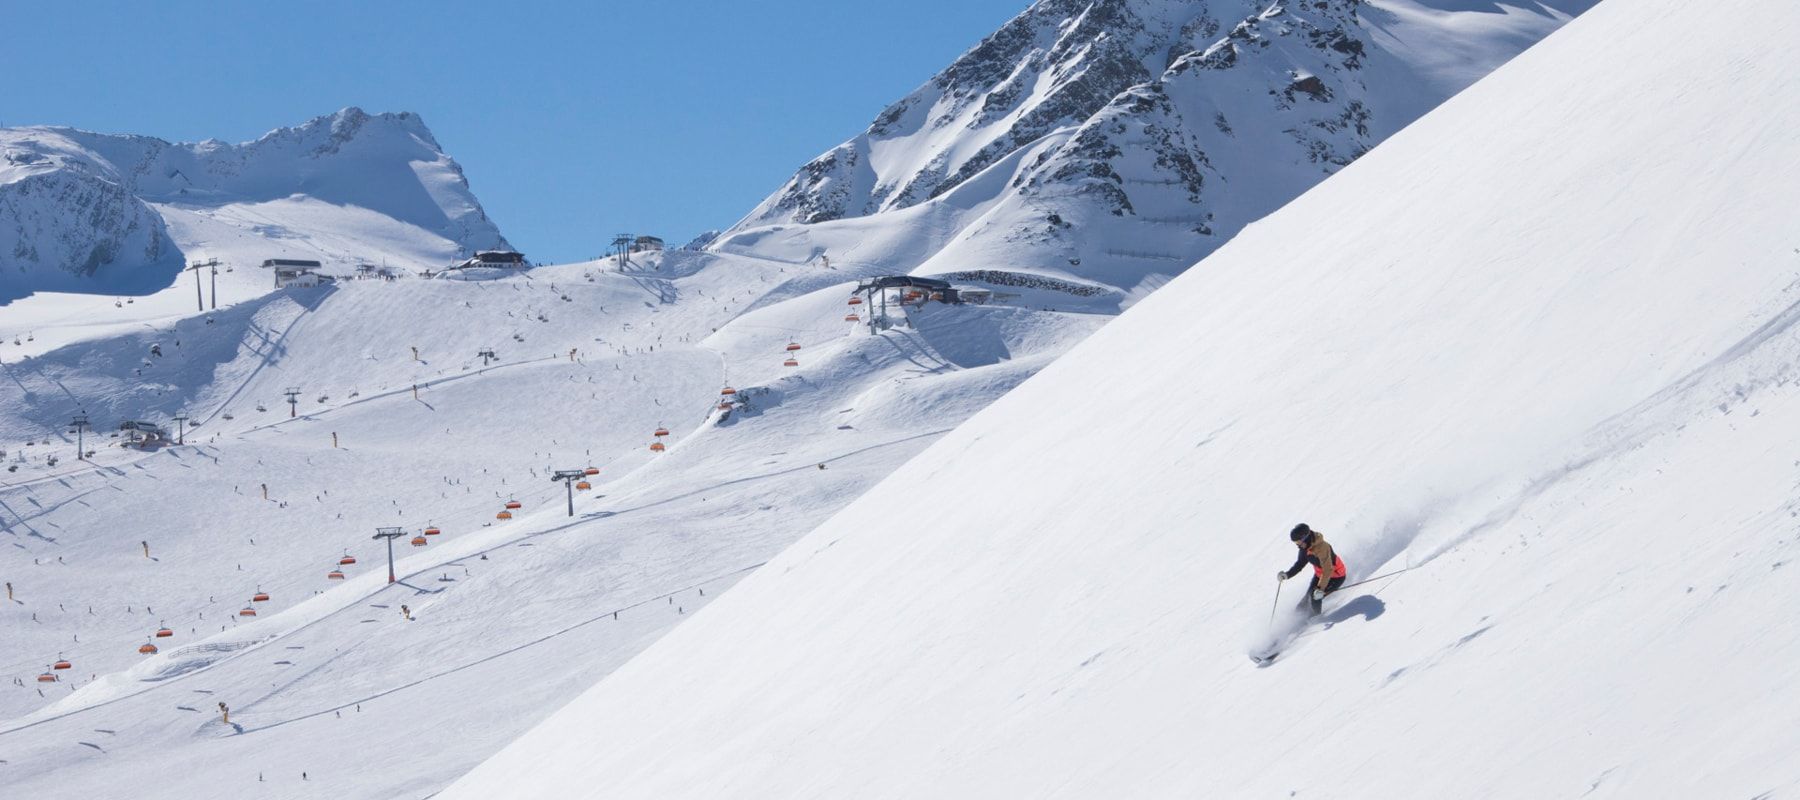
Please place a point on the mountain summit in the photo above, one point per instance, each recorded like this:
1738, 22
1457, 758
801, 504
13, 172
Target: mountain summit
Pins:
117, 214
1115, 140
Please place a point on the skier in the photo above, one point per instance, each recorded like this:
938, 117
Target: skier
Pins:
1316, 551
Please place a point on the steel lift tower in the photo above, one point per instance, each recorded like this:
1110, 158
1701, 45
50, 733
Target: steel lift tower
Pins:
390, 534
569, 477
80, 423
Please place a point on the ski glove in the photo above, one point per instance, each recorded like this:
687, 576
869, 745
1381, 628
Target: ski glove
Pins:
1318, 594
1281, 575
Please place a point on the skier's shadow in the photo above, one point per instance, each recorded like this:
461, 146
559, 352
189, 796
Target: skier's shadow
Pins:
1367, 606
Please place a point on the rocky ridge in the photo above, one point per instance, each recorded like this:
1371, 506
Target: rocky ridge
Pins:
1135, 136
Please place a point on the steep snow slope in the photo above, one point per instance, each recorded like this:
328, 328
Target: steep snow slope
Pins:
512, 618
1118, 141
116, 215
1539, 348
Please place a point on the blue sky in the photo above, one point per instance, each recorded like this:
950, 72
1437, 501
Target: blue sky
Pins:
573, 120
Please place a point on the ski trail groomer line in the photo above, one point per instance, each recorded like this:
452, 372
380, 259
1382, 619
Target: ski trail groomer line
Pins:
1316, 551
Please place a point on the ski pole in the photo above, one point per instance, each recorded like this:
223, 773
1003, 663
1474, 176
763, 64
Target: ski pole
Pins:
1371, 580
1275, 605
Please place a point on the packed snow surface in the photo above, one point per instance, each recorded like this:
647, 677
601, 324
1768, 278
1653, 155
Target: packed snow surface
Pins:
1539, 349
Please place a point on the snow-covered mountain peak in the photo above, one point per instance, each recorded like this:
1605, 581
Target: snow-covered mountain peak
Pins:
1118, 141
116, 214
328, 134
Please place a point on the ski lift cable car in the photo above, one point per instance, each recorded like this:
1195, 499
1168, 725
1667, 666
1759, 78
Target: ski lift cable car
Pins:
591, 471
503, 515
334, 575
260, 597
662, 431
656, 447
61, 663
147, 649
790, 363
418, 541
347, 560
727, 391
583, 486
247, 612
432, 531
792, 346
512, 504
47, 678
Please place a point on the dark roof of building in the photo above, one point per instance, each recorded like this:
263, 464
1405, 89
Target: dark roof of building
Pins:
290, 262
894, 281
500, 257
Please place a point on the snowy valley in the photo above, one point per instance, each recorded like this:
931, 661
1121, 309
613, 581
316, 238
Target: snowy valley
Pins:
328, 677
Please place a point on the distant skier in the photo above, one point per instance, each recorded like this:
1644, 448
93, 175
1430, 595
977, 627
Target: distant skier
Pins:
156, 350
1316, 551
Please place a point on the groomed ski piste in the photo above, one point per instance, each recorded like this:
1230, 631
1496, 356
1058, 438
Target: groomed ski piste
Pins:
1540, 348
511, 618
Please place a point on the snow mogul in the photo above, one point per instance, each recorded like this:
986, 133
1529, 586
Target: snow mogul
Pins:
1328, 569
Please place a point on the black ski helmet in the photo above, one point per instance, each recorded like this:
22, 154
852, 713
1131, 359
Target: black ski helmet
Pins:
1299, 532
